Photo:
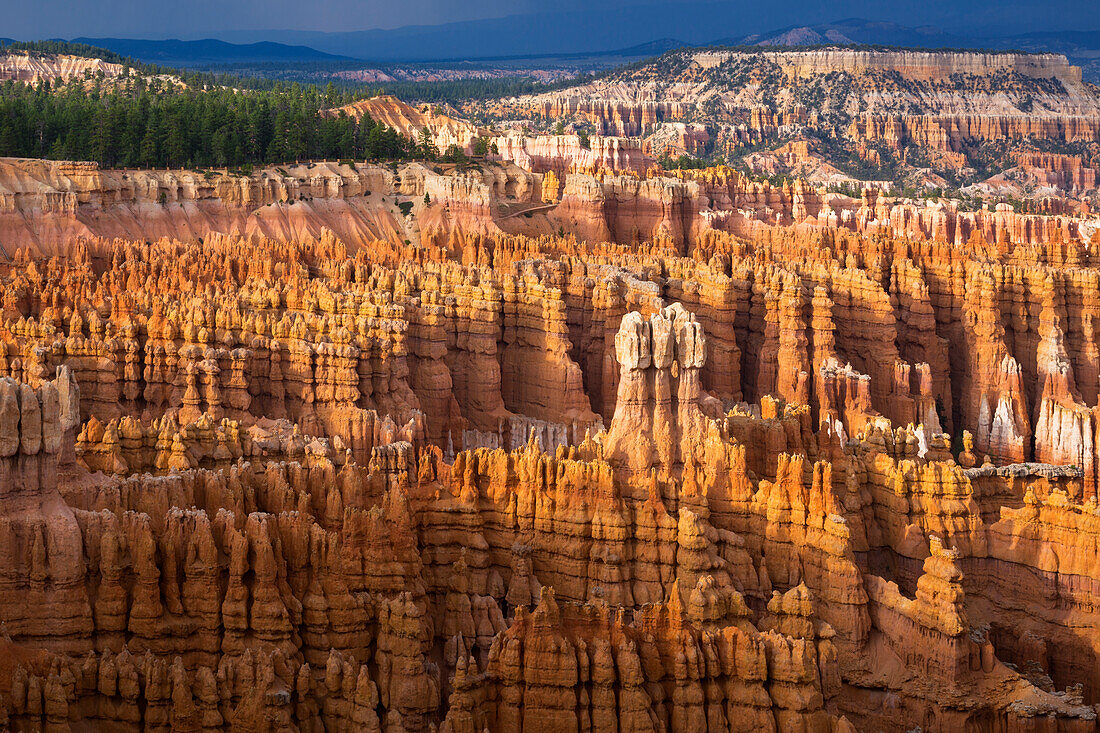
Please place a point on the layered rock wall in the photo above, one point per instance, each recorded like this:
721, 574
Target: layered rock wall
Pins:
487, 480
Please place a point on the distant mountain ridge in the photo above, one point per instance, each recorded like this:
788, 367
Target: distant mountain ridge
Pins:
857, 31
1082, 48
692, 23
869, 32
559, 34
208, 51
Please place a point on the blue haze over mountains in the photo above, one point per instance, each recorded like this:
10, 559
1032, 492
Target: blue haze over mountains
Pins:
644, 30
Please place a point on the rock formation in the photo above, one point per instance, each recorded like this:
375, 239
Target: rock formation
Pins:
444, 130
675, 453
34, 68
944, 108
568, 154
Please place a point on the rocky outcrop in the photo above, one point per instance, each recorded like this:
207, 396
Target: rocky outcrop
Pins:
42, 556
911, 64
46, 206
659, 477
416, 213
32, 68
1065, 172
942, 106
658, 419
442, 129
567, 154
955, 133
611, 117
561, 666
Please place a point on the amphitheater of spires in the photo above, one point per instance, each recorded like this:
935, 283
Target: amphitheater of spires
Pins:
545, 449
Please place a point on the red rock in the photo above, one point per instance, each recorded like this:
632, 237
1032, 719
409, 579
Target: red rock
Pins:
303, 481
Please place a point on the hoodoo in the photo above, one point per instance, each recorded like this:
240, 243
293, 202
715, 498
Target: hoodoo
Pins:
547, 419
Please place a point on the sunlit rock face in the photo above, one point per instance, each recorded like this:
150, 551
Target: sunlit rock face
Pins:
674, 453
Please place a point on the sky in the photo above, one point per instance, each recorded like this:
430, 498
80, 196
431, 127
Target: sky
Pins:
209, 18
29, 19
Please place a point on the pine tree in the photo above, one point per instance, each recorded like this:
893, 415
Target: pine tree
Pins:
152, 124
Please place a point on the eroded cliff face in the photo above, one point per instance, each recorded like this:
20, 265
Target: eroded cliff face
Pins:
948, 106
443, 129
45, 205
725, 456
956, 134
30, 68
910, 64
567, 154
